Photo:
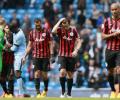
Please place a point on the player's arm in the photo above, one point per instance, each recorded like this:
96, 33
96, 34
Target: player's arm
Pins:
51, 47
17, 43
52, 58
1, 41
108, 36
78, 44
105, 33
77, 47
54, 30
1, 46
28, 49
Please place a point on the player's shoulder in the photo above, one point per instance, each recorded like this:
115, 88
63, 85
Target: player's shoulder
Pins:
46, 29
73, 27
108, 19
20, 33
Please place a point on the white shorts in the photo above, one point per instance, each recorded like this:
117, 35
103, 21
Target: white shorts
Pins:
17, 62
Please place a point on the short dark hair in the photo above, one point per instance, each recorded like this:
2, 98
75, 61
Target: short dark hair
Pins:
37, 19
68, 19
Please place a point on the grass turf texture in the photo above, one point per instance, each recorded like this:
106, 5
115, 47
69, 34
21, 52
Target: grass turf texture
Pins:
51, 98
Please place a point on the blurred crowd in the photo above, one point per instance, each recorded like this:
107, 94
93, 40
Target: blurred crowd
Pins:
86, 15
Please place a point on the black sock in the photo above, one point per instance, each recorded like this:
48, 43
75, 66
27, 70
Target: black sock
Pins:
119, 81
37, 85
69, 86
3, 84
116, 78
11, 87
62, 83
46, 84
111, 82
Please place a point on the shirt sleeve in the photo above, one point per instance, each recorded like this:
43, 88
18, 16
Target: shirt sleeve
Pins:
105, 27
50, 37
31, 36
18, 41
76, 33
1, 41
1, 45
59, 31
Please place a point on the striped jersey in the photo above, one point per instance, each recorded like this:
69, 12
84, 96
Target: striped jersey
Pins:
41, 43
67, 38
111, 25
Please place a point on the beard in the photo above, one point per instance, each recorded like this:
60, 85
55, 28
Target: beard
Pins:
38, 27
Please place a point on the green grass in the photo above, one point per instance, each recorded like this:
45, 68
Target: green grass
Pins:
51, 98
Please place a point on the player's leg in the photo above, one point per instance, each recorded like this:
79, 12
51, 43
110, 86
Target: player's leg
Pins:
117, 75
45, 69
62, 75
37, 74
20, 83
70, 71
118, 96
111, 82
1, 64
17, 71
69, 83
46, 81
11, 81
110, 60
3, 78
3, 85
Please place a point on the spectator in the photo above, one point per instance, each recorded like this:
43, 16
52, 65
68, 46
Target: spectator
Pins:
48, 11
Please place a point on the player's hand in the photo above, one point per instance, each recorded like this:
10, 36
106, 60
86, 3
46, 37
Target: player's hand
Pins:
74, 53
23, 60
8, 45
52, 58
6, 48
116, 33
62, 19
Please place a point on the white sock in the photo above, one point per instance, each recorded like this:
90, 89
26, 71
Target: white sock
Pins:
20, 86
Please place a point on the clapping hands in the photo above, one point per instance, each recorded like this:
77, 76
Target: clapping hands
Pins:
7, 46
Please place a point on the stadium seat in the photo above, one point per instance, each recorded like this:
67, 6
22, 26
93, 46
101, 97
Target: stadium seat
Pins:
75, 1
21, 11
7, 16
11, 11
38, 15
19, 16
89, 1
3, 11
31, 11
40, 11
40, 2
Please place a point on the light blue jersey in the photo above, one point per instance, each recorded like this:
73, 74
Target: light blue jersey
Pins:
19, 43
19, 46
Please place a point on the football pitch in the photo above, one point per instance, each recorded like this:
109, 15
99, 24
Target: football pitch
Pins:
52, 98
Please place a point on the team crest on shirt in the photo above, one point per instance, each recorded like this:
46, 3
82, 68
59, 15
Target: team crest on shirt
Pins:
44, 34
71, 34
39, 40
67, 38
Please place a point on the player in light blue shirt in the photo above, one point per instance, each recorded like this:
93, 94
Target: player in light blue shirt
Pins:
19, 43
18, 47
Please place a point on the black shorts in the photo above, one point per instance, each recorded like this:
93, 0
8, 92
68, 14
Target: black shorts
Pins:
67, 63
41, 64
112, 58
7, 70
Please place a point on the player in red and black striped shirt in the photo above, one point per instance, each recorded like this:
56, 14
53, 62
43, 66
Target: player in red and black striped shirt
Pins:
40, 42
69, 44
111, 33
7, 60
